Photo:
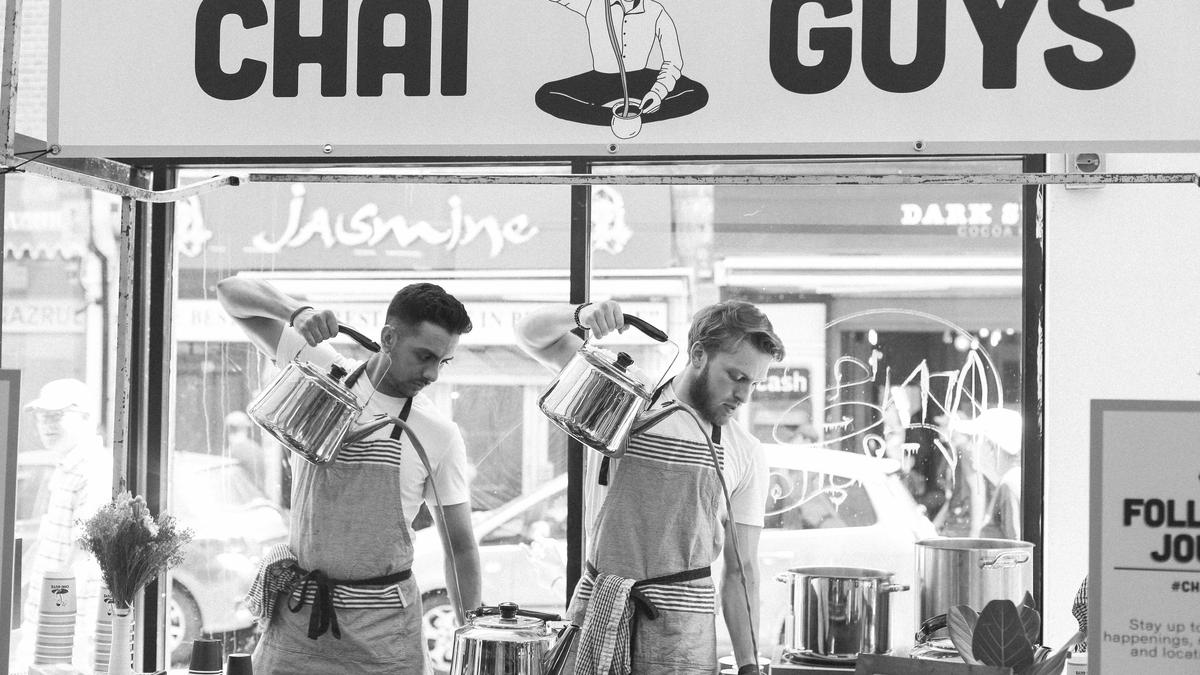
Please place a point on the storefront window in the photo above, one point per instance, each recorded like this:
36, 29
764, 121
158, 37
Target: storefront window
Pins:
349, 247
895, 415
59, 305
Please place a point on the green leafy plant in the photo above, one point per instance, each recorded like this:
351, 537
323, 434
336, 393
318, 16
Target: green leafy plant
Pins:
1003, 635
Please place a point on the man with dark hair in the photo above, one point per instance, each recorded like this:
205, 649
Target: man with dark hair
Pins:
350, 547
664, 519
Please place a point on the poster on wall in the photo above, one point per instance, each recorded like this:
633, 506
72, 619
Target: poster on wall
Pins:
1144, 574
371, 78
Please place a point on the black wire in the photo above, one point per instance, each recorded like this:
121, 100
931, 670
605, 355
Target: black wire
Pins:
37, 154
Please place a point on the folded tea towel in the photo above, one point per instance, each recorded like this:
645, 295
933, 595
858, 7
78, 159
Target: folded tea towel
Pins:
278, 572
604, 636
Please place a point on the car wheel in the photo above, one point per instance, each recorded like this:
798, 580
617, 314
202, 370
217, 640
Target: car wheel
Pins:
438, 624
183, 623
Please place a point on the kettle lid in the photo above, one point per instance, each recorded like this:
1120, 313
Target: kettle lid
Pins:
506, 616
329, 382
620, 367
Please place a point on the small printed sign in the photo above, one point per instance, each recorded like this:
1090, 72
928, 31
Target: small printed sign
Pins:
1144, 578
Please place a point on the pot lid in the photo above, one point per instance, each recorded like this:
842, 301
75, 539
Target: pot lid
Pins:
620, 367
506, 616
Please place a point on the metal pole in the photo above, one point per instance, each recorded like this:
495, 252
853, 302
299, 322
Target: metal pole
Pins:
735, 179
8, 85
123, 396
580, 267
1033, 333
131, 191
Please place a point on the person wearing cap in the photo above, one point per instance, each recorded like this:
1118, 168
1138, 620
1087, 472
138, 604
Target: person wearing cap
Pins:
665, 517
65, 420
341, 597
242, 447
993, 471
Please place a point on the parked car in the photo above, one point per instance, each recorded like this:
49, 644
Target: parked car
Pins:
824, 507
233, 522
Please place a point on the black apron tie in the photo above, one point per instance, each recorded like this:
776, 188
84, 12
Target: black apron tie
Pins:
323, 617
604, 463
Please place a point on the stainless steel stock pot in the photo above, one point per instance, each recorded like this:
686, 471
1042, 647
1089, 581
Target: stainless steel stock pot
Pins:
837, 613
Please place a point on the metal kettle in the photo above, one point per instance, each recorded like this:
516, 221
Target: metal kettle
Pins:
508, 640
597, 396
310, 411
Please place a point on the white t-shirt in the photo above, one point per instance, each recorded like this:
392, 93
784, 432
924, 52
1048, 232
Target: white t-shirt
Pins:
439, 436
744, 468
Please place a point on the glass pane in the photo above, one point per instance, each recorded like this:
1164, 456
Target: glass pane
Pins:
501, 250
895, 414
60, 276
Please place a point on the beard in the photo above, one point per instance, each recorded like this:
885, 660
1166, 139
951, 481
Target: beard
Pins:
701, 398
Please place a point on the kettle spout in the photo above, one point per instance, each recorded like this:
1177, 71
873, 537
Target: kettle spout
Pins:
555, 660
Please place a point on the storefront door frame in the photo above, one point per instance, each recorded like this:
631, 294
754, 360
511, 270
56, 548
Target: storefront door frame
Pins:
148, 278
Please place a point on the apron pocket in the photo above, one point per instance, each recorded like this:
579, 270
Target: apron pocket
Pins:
676, 642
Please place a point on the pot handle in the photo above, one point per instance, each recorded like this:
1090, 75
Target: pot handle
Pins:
1005, 560
783, 577
894, 588
358, 337
929, 627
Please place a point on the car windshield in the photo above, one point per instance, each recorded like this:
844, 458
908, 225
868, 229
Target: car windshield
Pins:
223, 487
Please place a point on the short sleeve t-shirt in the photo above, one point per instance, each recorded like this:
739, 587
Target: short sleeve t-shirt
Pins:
744, 467
439, 436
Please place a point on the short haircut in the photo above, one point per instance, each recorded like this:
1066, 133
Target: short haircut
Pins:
417, 303
723, 327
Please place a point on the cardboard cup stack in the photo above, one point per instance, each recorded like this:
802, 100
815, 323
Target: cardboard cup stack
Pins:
104, 614
56, 620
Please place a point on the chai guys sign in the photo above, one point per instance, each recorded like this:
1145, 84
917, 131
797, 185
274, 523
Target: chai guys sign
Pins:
413, 78
1144, 568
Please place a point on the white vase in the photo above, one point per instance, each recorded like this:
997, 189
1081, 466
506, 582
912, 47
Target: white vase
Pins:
120, 659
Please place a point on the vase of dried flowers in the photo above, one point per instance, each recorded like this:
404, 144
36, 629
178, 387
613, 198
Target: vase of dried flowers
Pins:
132, 547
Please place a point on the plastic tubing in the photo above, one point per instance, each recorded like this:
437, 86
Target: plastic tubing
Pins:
617, 52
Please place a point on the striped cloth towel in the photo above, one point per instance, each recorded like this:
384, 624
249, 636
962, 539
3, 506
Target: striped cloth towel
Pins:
278, 572
604, 636
1079, 609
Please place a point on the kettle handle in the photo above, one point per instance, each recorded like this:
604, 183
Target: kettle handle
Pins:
361, 339
646, 327
637, 322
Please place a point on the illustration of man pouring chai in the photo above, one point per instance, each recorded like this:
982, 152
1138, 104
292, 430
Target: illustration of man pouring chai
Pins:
622, 90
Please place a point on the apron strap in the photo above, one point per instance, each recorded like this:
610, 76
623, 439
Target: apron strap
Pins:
403, 417
604, 463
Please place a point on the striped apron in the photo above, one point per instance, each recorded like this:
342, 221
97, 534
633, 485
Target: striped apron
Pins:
363, 607
659, 525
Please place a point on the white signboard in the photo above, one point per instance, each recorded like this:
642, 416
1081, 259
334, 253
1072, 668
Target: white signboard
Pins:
1144, 579
385, 78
